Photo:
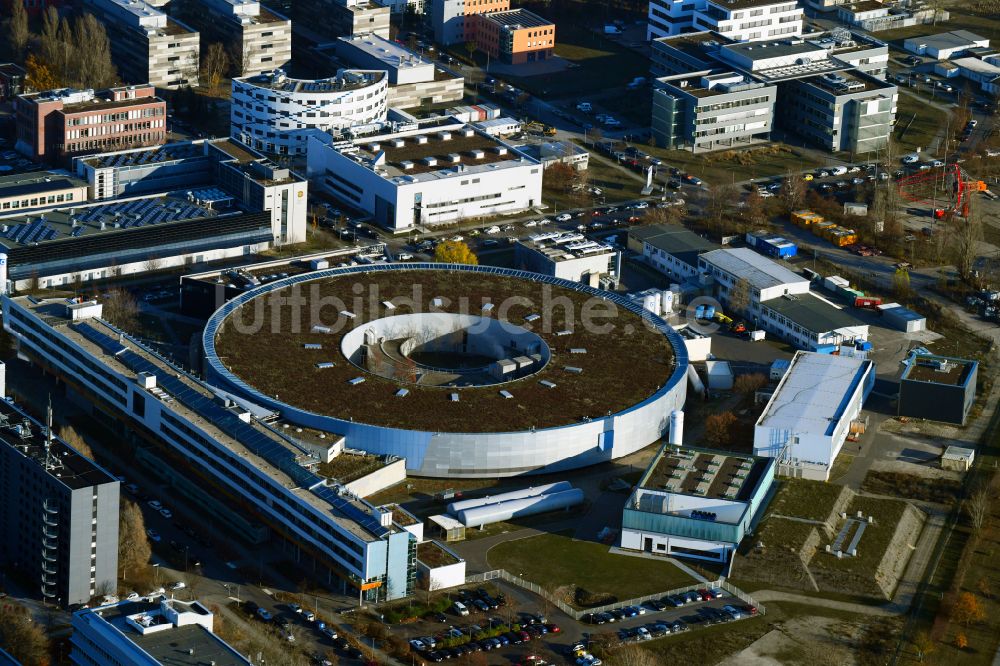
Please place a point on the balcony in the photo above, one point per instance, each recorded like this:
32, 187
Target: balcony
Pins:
49, 544
51, 508
50, 532
49, 569
49, 556
50, 522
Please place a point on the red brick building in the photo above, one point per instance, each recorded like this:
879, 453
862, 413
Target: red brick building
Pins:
55, 125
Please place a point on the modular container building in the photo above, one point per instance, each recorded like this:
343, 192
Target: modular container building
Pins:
771, 245
904, 319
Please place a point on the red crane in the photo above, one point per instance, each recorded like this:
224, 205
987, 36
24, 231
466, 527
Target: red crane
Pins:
948, 189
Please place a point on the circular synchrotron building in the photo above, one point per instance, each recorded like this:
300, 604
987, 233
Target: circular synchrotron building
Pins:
464, 371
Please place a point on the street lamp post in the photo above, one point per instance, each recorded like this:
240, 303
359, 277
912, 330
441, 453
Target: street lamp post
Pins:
156, 574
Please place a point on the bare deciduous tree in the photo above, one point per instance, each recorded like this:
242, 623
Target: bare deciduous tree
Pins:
978, 506
133, 544
121, 309
215, 63
69, 435
966, 233
793, 191
23, 639
17, 30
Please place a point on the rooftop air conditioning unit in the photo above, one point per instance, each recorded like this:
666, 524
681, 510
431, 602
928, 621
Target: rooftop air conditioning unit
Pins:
445, 136
421, 140
430, 161
406, 165
454, 158
500, 150
477, 154
398, 143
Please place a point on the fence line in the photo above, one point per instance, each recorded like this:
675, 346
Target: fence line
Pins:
576, 614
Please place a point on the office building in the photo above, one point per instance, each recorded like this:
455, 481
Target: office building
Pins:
711, 110
149, 632
55, 125
188, 203
874, 16
274, 114
342, 18
696, 503
249, 463
938, 388
263, 35
40, 189
11, 81
739, 20
570, 256
778, 300
413, 79
59, 512
514, 36
546, 152
438, 173
147, 45
672, 250
812, 412
714, 93
454, 21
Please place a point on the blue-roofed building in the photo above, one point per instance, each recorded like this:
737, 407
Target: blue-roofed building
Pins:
696, 503
811, 412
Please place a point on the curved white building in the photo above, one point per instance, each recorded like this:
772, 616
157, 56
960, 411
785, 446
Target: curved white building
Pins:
274, 113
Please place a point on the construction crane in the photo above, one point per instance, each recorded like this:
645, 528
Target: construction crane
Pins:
948, 189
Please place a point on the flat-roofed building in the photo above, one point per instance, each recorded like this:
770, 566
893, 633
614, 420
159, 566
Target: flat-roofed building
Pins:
11, 81
413, 79
147, 45
274, 113
263, 36
342, 18
55, 125
570, 256
438, 173
765, 278
711, 110
829, 88
515, 36
810, 322
696, 503
454, 20
945, 45
672, 250
938, 388
740, 20
343, 542
150, 632
810, 415
40, 189
58, 510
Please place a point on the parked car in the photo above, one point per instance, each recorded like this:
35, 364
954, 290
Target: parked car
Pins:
153, 535
460, 609
308, 615
264, 614
177, 585
692, 180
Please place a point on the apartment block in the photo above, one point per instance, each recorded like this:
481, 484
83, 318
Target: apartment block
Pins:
454, 20
263, 35
740, 20
515, 37
58, 514
147, 45
56, 124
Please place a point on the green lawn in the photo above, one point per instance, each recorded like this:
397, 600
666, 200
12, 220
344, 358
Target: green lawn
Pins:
916, 123
962, 18
804, 499
556, 560
722, 167
615, 183
594, 59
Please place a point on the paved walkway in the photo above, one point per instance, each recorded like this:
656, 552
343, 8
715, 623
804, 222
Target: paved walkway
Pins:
764, 596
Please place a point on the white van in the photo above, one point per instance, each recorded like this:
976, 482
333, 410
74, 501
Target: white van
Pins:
460, 609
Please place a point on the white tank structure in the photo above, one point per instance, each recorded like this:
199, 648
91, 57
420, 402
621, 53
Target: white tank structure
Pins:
534, 491
666, 302
480, 516
695, 380
652, 303
3, 272
676, 428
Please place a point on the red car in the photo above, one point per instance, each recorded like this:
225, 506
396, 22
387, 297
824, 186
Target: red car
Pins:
704, 595
553, 628
752, 610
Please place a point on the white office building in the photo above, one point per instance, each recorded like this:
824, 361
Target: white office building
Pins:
809, 416
273, 113
566, 255
946, 45
740, 20
780, 301
150, 632
434, 174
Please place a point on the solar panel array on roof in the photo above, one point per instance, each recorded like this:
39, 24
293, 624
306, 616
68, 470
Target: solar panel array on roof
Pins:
141, 212
268, 448
35, 231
